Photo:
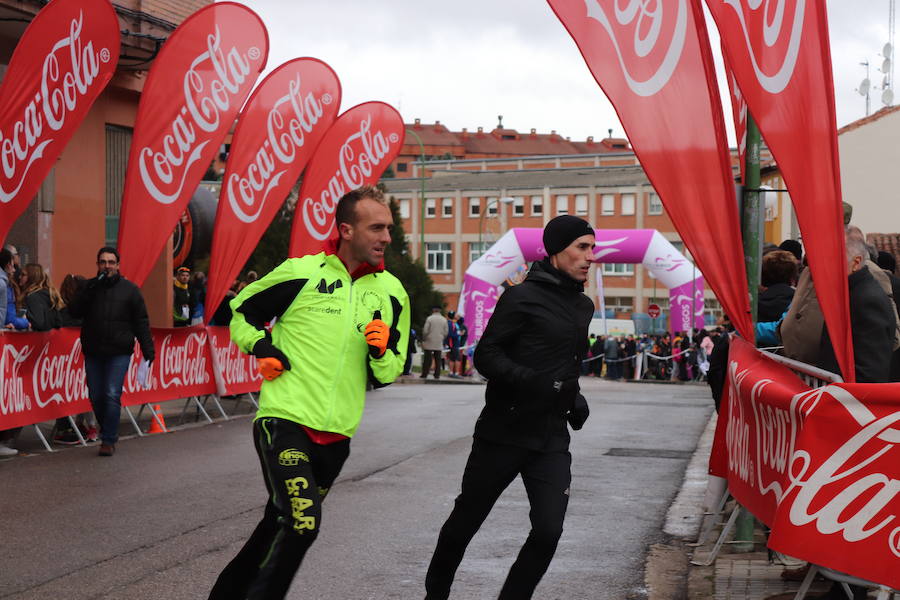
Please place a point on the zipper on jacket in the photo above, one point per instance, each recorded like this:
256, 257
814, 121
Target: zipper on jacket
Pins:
343, 356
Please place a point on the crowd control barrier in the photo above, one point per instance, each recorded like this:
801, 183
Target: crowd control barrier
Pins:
42, 374
817, 462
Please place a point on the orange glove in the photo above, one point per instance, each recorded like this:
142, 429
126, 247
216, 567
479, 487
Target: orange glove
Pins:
377, 336
270, 368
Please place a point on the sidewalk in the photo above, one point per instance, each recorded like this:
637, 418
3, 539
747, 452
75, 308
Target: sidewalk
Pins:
733, 575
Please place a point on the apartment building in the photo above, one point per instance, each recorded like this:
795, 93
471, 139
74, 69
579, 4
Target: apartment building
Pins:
464, 213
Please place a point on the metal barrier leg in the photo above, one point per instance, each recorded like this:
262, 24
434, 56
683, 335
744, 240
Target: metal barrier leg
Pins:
77, 431
712, 518
847, 590
201, 409
725, 531
43, 439
215, 398
133, 422
253, 400
184, 410
807, 581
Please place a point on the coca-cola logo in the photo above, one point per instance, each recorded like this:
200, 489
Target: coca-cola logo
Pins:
180, 363
13, 397
740, 107
357, 158
67, 75
782, 29
59, 377
833, 495
236, 367
211, 84
290, 119
657, 38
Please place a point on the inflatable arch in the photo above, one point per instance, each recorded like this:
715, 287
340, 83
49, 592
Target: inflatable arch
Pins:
481, 285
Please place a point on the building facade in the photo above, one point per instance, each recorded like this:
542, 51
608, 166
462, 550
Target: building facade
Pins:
464, 213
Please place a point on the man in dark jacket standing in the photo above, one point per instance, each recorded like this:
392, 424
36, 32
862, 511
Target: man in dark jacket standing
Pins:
114, 315
530, 353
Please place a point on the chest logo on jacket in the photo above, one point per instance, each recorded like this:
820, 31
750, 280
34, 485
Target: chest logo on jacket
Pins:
326, 288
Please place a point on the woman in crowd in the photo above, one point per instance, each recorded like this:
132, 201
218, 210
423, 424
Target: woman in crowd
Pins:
41, 300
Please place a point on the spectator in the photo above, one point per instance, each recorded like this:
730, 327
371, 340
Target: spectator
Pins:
114, 315
410, 350
888, 264
463, 339
597, 350
433, 335
8, 291
183, 298
85, 421
630, 347
794, 247
222, 316
452, 343
778, 276
17, 261
611, 356
197, 287
42, 301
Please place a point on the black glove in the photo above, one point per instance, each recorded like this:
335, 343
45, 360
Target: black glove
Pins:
265, 349
579, 413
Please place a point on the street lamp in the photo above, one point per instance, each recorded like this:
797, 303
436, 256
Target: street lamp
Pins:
502, 200
422, 195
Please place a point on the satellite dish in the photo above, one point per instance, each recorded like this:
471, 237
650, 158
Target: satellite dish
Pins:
887, 97
886, 65
886, 51
864, 87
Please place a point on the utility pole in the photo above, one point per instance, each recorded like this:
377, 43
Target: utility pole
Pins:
751, 232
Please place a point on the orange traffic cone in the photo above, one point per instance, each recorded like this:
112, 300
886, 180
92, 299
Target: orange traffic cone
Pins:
154, 424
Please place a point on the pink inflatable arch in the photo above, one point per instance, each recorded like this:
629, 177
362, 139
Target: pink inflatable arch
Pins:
481, 285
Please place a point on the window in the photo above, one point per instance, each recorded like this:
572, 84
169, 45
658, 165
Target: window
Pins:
476, 249
474, 207
401, 167
118, 145
618, 269
607, 205
537, 206
404, 208
627, 204
491, 206
447, 208
438, 257
581, 204
519, 206
562, 205
654, 205
430, 207
617, 304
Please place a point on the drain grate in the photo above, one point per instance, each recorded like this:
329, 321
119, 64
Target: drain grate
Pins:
648, 453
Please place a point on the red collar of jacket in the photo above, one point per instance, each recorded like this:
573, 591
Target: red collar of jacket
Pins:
331, 247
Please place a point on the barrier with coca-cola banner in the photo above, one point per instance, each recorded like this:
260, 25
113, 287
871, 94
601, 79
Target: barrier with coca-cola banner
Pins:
821, 467
42, 374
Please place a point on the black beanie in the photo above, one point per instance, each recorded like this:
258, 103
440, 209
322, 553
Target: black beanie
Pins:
563, 230
794, 247
886, 261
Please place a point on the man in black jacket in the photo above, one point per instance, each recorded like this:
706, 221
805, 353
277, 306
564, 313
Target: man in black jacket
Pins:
114, 315
531, 354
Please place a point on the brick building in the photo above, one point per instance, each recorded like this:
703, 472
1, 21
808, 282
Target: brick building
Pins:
76, 210
464, 215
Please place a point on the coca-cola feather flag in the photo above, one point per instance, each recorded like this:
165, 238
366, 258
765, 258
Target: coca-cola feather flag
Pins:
193, 93
278, 130
782, 63
739, 112
62, 62
356, 150
656, 68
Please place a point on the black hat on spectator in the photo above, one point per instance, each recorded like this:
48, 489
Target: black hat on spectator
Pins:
794, 247
563, 230
886, 261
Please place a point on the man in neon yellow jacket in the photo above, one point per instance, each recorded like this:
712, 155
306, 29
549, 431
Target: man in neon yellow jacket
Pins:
340, 321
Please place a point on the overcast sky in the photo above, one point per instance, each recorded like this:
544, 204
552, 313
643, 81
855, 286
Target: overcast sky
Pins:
463, 62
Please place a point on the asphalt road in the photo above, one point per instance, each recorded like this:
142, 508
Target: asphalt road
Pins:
162, 517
